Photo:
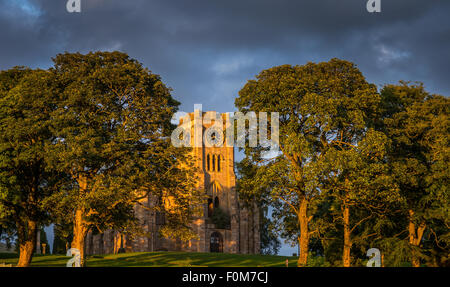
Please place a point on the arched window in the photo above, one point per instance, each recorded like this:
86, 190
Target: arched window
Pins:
219, 158
208, 163
216, 202
214, 162
210, 207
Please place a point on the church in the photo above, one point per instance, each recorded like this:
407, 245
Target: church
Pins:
218, 180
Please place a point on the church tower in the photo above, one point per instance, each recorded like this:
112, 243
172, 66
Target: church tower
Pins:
216, 177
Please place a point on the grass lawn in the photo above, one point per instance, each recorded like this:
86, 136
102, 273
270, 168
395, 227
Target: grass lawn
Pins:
161, 259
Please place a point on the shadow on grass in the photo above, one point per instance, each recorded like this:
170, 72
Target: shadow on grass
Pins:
161, 259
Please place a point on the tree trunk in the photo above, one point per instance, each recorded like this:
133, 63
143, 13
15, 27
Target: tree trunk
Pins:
304, 233
80, 226
27, 243
346, 258
79, 235
415, 237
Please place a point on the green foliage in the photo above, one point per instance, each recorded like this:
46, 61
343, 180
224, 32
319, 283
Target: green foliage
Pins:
381, 158
418, 125
58, 245
221, 219
91, 134
317, 103
62, 236
270, 244
317, 261
26, 180
256, 199
110, 116
112, 124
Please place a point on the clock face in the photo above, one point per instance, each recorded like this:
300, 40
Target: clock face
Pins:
181, 137
214, 137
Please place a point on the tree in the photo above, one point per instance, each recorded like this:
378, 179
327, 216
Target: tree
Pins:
61, 238
112, 125
7, 234
25, 179
255, 198
270, 243
309, 100
356, 180
418, 125
174, 183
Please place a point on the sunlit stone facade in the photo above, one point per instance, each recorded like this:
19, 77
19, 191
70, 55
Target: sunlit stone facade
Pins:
217, 178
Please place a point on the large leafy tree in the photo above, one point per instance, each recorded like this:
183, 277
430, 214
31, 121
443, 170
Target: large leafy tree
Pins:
315, 102
418, 125
25, 179
112, 128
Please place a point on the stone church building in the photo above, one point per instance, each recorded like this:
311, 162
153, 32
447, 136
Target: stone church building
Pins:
218, 180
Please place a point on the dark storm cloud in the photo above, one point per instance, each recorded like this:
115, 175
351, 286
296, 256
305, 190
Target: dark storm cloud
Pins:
206, 50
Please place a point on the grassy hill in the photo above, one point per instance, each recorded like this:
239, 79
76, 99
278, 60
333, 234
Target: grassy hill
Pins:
161, 259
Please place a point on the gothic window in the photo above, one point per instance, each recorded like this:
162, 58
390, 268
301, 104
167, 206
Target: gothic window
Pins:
208, 163
214, 162
219, 158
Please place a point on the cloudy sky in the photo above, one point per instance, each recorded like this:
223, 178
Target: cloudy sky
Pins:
207, 49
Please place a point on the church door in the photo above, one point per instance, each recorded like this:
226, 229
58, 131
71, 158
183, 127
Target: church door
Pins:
216, 244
